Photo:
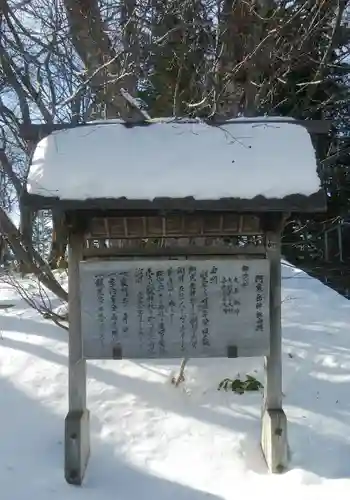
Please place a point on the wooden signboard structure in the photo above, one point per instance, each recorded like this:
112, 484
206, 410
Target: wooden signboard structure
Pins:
173, 277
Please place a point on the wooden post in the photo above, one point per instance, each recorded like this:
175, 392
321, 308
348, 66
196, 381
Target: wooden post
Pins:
77, 431
274, 423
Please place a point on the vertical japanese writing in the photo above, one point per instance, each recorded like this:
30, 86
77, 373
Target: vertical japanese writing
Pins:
205, 308
170, 287
112, 286
180, 308
161, 325
101, 318
236, 297
213, 276
140, 302
259, 285
227, 294
192, 271
181, 277
150, 309
124, 288
245, 276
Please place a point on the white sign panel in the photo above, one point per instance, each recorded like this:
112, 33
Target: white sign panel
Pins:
175, 308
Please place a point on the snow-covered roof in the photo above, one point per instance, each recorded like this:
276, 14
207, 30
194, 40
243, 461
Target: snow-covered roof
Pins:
168, 159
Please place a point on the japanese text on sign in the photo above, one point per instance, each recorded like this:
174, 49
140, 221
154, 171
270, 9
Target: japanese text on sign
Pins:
165, 309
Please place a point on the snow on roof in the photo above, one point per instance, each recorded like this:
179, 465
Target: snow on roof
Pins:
240, 159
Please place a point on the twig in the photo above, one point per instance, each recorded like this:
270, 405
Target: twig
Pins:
181, 376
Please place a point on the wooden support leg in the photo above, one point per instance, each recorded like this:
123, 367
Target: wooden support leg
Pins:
274, 423
77, 429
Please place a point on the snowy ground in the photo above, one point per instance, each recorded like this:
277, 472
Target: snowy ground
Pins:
154, 442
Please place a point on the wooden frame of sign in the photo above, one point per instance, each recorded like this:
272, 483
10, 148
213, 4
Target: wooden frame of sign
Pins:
105, 243
121, 250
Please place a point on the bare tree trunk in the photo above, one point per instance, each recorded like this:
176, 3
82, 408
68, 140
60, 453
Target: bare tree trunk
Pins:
230, 52
26, 230
131, 44
59, 240
103, 63
25, 253
26, 216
